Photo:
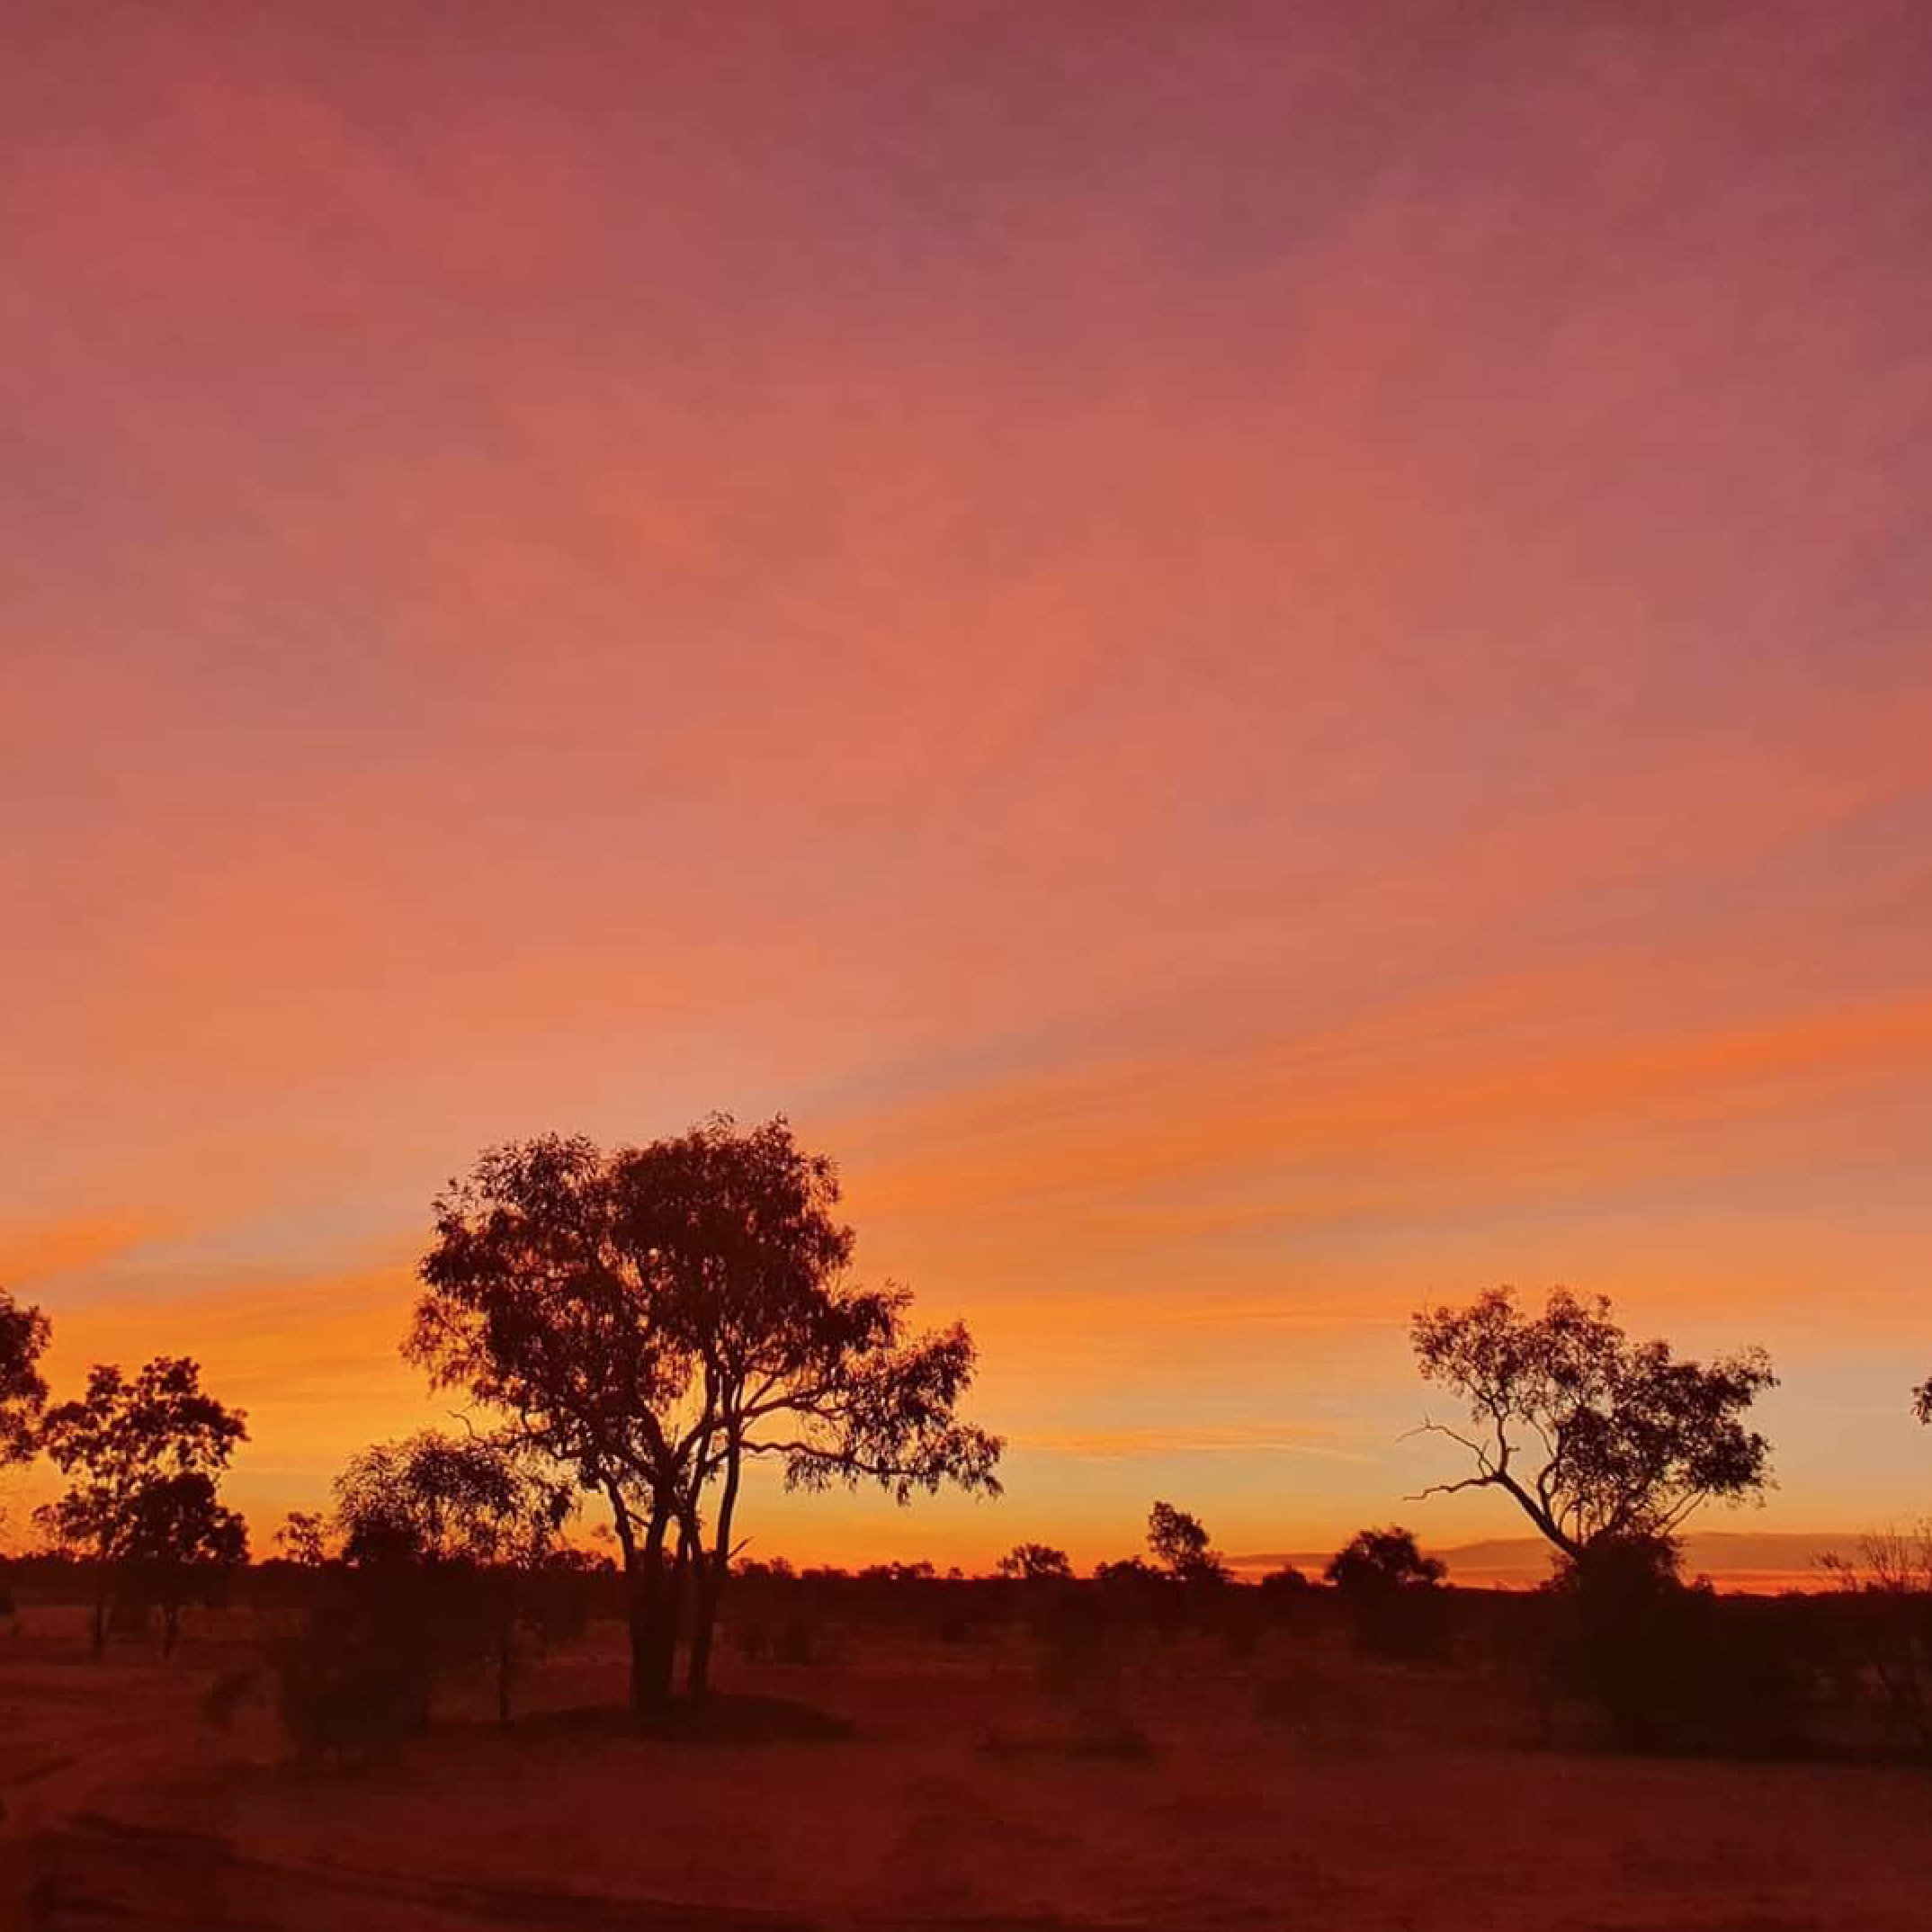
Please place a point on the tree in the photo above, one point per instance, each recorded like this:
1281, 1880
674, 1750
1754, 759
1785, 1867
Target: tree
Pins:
477, 1511
145, 1457
1593, 1435
25, 1331
1180, 1542
1036, 1562
652, 1319
1922, 1401
1389, 1589
301, 1539
793, 1363
181, 1536
538, 1308
1285, 1582
1383, 1560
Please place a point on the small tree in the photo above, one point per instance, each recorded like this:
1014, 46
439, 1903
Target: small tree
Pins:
1922, 1401
1376, 1561
1180, 1541
1390, 1591
476, 1513
301, 1539
1283, 1584
1893, 1636
1036, 1562
145, 1457
24, 1336
183, 1540
1591, 1434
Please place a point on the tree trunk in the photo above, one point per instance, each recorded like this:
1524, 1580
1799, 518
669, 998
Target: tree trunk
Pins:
710, 1583
637, 1614
653, 1630
674, 1606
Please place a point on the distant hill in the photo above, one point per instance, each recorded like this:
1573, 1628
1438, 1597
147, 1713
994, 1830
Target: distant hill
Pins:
1736, 1559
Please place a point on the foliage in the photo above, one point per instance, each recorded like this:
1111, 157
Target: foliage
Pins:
438, 1498
24, 1332
350, 1685
1180, 1542
1287, 1582
1131, 1575
1662, 1665
1036, 1562
301, 1539
1380, 1560
1922, 1401
1892, 1579
449, 1536
145, 1458
653, 1317
1389, 1589
1593, 1434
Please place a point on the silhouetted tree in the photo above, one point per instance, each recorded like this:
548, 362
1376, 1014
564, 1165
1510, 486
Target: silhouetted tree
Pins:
653, 1317
301, 1539
793, 1363
25, 1331
145, 1457
183, 1538
1593, 1434
539, 1307
1893, 1639
475, 1510
1390, 1591
1380, 1560
1133, 1578
1922, 1401
1036, 1562
1179, 1541
1285, 1582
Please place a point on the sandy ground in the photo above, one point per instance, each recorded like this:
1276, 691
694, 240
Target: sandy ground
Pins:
954, 1802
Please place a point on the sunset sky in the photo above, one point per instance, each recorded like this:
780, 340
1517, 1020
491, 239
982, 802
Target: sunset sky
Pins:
1268, 662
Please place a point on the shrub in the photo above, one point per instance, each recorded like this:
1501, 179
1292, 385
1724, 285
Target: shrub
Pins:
1670, 1665
347, 1690
1391, 1593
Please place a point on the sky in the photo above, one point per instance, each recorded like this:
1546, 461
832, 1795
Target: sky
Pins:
1269, 664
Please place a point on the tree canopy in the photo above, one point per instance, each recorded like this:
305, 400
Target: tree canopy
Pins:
444, 1499
1036, 1562
654, 1317
1180, 1541
1592, 1434
24, 1332
1374, 1560
144, 1459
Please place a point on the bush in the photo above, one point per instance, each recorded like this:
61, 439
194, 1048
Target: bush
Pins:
1393, 1594
1670, 1664
347, 1691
